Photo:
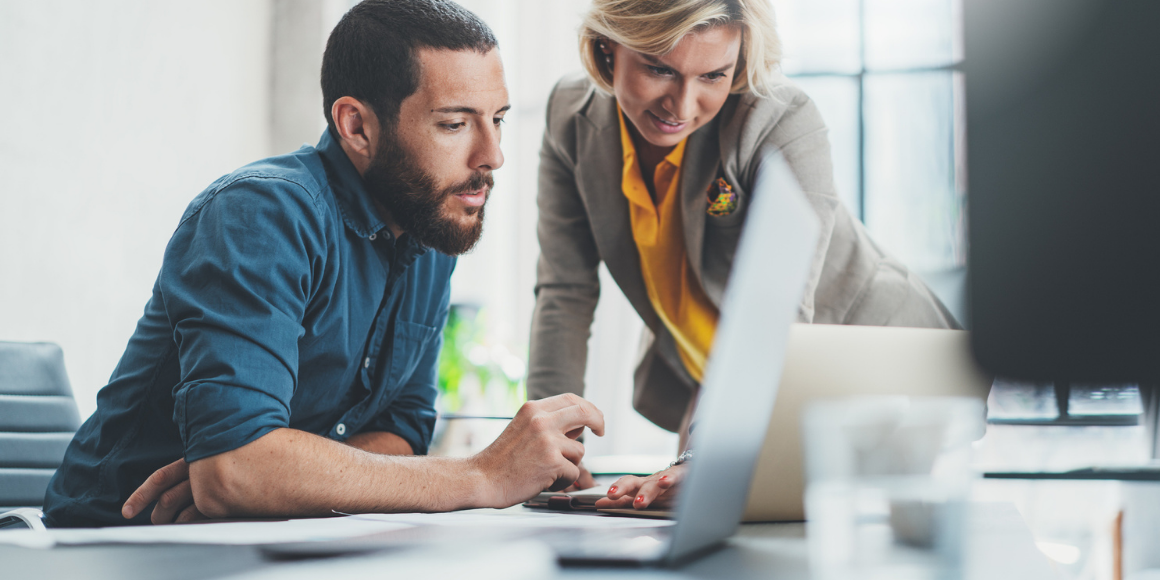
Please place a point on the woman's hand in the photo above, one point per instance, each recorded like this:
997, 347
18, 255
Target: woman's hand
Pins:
657, 491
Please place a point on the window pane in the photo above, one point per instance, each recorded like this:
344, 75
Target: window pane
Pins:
909, 33
1018, 401
819, 35
1104, 400
837, 98
912, 206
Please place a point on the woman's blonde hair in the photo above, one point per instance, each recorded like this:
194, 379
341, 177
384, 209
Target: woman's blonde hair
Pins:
654, 27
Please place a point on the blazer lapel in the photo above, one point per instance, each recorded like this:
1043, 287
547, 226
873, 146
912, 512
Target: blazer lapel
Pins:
698, 169
599, 169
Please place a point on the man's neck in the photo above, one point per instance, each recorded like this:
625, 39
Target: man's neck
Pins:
361, 164
388, 219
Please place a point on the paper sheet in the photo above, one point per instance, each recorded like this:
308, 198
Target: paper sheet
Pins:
520, 560
517, 518
234, 533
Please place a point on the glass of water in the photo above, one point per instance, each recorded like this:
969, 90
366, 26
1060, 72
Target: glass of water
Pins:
888, 482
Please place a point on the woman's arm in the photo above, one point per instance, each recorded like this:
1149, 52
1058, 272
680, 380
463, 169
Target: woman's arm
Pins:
567, 282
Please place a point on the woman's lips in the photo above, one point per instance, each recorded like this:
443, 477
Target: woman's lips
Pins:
473, 198
666, 126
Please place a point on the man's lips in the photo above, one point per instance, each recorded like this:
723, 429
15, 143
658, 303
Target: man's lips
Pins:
666, 126
474, 198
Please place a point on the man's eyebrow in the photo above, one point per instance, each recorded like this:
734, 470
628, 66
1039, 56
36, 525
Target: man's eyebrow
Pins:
468, 110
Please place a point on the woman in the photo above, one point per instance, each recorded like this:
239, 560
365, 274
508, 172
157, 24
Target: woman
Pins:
648, 164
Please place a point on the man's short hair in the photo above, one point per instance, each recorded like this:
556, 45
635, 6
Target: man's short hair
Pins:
371, 54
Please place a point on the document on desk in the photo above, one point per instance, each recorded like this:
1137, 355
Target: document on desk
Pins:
232, 533
515, 517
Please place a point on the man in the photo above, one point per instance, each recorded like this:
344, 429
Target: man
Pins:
285, 364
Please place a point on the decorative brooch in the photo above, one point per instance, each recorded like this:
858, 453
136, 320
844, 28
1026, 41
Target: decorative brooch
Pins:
722, 199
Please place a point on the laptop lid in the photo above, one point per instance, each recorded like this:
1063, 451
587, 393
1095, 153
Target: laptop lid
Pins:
770, 271
831, 361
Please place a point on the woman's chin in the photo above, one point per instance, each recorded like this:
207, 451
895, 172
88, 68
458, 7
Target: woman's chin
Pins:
665, 140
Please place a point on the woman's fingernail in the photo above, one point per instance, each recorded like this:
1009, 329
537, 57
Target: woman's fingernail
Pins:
612, 489
664, 477
639, 498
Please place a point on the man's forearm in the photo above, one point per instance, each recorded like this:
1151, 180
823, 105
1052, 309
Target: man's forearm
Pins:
293, 473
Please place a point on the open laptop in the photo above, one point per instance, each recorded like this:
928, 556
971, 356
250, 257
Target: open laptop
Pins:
770, 270
834, 361
830, 361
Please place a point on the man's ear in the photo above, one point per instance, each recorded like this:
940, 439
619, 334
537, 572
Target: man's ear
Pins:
358, 128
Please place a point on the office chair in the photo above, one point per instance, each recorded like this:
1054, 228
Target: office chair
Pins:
38, 417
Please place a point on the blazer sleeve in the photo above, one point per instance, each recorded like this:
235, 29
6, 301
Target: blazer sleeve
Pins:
567, 281
852, 280
788, 123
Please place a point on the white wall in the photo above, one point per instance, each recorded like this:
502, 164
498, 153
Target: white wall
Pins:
113, 115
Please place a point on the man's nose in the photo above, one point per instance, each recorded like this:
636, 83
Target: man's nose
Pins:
487, 155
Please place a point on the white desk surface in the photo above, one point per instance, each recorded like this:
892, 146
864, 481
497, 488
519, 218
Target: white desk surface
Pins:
1001, 547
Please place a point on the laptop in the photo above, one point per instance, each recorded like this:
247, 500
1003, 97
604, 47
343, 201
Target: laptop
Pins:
770, 271
835, 361
831, 361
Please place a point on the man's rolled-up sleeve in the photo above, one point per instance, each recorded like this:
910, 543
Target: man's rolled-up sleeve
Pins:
236, 279
411, 415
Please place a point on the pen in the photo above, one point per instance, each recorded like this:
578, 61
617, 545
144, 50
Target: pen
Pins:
457, 416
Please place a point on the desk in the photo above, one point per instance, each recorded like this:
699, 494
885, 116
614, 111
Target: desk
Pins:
1000, 547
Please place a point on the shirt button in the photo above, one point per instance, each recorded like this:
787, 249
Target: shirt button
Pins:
340, 429
367, 362
372, 237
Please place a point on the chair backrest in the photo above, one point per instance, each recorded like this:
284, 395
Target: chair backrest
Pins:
38, 417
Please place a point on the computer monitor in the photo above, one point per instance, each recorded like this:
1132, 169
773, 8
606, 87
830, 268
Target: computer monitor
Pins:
1063, 151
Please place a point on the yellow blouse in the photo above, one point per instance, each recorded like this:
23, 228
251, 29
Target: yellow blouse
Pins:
675, 293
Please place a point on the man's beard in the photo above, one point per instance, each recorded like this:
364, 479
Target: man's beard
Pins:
417, 207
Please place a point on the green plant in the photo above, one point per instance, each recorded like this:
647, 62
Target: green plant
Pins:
467, 352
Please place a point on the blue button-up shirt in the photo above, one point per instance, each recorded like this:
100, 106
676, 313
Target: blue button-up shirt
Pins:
283, 301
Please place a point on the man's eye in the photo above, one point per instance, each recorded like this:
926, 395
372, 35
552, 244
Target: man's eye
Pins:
454, 126
660, 71
498, 121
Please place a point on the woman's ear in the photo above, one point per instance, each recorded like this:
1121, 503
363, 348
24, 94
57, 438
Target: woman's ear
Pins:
605, 47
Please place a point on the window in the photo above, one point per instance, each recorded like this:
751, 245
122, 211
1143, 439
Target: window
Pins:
884, 74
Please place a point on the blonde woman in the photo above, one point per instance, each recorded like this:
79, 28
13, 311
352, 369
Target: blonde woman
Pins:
647, 165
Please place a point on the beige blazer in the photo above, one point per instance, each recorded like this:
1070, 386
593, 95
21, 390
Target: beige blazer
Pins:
584, 219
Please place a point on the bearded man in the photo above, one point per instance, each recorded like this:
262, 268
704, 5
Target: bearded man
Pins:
285, 364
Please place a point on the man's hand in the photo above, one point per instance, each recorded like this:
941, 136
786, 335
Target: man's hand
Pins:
538, 450
170, 488
585, 481
658, 491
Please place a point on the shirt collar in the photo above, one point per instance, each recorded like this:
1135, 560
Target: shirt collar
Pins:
354, 202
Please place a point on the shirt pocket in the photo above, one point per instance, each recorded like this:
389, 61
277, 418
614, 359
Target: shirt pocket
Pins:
410, 344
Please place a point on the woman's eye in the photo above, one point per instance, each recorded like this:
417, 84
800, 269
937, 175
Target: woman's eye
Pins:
714, 76
660, 71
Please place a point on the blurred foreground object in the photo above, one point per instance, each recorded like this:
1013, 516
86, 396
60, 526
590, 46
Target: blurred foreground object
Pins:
889, 478
1062, 125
